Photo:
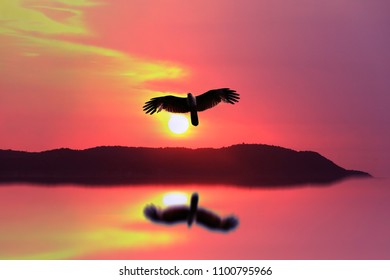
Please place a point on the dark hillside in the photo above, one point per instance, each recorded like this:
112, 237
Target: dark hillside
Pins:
239, 164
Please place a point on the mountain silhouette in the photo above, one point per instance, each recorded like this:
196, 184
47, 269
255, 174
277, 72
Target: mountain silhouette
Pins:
244, 164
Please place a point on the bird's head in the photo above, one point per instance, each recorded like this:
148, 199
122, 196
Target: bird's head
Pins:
191, 100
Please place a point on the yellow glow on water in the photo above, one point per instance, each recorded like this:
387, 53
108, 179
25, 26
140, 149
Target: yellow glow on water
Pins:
83, 223
73, 245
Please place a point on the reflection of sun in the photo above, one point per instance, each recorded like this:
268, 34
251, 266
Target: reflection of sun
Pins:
178, 124
174, 198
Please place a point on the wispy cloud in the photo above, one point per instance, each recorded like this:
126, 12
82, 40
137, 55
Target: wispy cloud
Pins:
52, 28
42, 17
58, 76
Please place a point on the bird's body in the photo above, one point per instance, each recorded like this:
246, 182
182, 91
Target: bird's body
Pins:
191, 103
191, 100
177, 214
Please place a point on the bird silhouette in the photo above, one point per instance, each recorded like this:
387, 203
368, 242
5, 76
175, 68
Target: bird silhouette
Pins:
189, 214
191, 103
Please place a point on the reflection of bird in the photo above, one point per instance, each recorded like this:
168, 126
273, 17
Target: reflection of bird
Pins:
193, 104
176, 214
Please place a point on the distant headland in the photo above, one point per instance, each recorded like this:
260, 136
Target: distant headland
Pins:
244, 164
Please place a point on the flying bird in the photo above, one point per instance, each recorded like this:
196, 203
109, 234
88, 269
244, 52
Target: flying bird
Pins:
191, 103
189, 214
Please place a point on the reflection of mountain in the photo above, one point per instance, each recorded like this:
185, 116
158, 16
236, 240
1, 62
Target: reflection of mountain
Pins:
239, 164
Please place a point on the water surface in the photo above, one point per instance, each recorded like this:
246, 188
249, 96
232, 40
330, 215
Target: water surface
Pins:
347, 220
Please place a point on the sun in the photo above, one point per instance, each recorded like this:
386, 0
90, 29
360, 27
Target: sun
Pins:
178, 124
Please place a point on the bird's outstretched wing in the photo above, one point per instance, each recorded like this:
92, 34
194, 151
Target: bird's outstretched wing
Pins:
212, 221
212, 97
169, 103
170, 215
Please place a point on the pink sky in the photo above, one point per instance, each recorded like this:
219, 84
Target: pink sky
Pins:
313, 75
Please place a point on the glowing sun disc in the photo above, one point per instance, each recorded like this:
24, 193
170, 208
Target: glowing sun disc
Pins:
178, 124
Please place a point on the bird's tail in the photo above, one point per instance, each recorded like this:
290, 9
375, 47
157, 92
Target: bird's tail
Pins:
194, 117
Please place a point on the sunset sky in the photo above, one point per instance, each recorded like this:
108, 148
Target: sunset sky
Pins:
312, 75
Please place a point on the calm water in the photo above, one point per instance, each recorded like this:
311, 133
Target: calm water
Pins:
348, 220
